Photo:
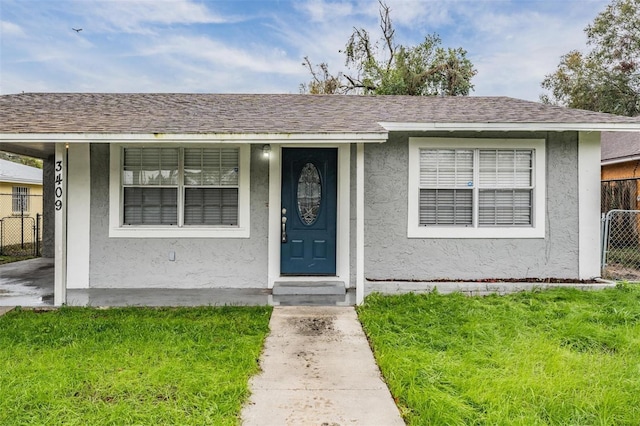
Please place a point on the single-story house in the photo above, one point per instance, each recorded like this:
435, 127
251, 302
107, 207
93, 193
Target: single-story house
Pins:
620, 171
20, 189
20, 203
244, 191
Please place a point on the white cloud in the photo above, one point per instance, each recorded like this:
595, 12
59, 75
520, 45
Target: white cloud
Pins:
140, 16
10, 29
178, 45
422, 13
200, 49
324, 11
513, 51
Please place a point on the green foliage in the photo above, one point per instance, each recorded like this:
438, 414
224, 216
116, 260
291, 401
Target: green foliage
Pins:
10, 259
21, 159
533, 358
607, 78
81, 366
385, 68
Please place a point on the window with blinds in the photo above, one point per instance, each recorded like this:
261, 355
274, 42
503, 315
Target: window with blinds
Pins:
476, 187
505, 187
211, 186
446, 181
180, 186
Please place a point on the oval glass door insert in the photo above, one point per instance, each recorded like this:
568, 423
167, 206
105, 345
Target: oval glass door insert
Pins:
309, 194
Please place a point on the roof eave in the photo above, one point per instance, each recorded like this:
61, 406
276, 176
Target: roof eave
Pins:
550, 127
12, 179
235, 138
619, 160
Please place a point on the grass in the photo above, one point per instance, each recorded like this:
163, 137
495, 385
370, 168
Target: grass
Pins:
557, 357
9, 258
128, 366
628, 256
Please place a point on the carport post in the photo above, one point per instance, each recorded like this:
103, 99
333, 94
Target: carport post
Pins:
359, 223
60, 206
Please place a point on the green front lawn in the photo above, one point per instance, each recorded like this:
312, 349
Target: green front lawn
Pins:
83, 366
560, 357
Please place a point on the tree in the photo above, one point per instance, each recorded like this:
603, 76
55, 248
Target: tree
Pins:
607, 78
21, 159
387, 68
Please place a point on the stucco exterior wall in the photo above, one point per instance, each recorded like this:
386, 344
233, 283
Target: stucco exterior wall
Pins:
199, 263
390, 255
48, 213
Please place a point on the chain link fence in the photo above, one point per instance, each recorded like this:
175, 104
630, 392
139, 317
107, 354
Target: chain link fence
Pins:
20, 224
621, 245
619, 194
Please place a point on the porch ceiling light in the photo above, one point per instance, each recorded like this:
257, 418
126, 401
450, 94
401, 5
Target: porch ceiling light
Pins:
266, 151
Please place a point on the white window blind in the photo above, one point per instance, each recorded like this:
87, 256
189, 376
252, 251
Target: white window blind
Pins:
180, 186
446, 207
446, 182
476, 187
505, 187
446, 168
150, 206
211, 180
150, 179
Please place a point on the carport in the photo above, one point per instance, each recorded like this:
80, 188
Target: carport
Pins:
27, 283
31, 282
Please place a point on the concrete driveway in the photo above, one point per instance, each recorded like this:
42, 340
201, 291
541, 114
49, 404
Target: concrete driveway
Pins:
27, 283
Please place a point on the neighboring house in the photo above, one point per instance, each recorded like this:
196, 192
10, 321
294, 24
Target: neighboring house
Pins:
20, 202
20, 189
211, 191
620, 172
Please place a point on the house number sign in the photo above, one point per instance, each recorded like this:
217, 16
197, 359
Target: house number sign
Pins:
58, 190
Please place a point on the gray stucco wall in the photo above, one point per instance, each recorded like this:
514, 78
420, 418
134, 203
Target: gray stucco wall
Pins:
200, 263
390, 255
48, 209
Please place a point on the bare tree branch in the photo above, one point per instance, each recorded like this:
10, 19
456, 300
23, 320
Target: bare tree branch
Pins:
387, 32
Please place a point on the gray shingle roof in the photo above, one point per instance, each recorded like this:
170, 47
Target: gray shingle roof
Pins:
19, 173
264, 113
619, 145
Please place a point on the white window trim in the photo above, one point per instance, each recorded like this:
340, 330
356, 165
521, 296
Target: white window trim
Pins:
414, 230
117, 230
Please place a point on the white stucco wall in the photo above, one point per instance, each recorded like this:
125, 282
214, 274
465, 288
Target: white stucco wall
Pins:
199, 262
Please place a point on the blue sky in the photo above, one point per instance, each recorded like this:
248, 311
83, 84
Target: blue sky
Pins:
257, 46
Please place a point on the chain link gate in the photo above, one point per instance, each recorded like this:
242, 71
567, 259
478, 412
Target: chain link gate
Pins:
621, 245
20, 223
20, 236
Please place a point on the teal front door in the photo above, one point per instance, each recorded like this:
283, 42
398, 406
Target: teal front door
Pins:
309, 211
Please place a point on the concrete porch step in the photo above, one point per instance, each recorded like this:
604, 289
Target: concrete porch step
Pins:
346, 299
308, 288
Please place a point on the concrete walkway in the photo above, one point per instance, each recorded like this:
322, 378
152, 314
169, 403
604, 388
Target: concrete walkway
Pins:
27, 283
318, 369
5, 309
